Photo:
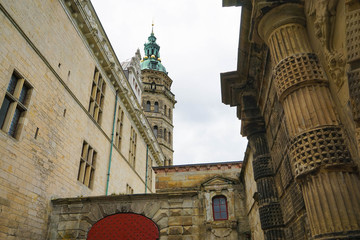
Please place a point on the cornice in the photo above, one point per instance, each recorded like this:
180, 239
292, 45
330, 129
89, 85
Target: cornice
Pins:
83, 16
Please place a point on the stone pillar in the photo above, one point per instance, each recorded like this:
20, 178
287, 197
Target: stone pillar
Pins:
353, 58
271, 217
318, 148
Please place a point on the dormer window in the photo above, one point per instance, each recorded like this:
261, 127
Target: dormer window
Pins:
219, 206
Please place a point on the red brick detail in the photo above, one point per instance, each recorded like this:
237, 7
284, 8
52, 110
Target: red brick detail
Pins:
124, 226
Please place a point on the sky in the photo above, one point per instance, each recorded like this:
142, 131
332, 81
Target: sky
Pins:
198, 40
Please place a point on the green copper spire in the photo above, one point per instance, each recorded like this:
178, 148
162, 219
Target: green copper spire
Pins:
152, 59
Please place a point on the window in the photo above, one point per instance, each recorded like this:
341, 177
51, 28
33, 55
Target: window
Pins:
97, 97
119, 127
132, 150
165, 134
14, 105
156, 131
219, 205
165, 110
87, 165
129, 189
169, 139
148, 105
156, 107
169, 113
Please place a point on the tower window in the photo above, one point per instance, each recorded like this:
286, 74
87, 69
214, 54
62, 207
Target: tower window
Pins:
219, 205
169, 113
169, 139
165, 134
156, 131
165, 110
148, 104
156, 107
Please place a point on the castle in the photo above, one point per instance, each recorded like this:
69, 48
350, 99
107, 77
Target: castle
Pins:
86, 140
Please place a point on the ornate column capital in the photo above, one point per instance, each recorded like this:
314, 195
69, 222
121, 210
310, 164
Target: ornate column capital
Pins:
289, 13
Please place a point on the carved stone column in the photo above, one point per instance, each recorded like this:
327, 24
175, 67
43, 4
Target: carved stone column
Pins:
318, 149
353, 57
271, 217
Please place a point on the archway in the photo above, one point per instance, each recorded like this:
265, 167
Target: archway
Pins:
124, 226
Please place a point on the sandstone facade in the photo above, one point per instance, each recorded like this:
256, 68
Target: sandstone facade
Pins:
296, 77
181, 212
66, 78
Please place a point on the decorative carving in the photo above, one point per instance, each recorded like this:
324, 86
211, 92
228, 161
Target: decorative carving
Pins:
297, 69
354, 87
336, 64
319, 147
261, 167
221, 233
325, 13
271, 216
353, 35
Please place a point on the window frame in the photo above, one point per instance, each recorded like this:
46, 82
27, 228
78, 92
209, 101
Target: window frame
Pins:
87, 166
15, 103
156, 107
97, 97
219, 206
148, 106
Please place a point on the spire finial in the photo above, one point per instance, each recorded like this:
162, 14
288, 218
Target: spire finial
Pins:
152, 27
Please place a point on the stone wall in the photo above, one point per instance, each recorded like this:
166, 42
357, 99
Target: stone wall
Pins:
182, 211
193, 175
42, 44
296, 61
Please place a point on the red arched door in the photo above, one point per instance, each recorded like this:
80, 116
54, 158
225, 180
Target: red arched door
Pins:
124, 226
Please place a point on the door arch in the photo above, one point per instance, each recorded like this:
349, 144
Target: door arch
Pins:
124, 226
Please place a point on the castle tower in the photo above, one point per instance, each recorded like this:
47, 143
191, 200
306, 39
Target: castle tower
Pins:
158, 101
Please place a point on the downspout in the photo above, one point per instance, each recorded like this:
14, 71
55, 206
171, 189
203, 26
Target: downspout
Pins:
146, 172
111, 147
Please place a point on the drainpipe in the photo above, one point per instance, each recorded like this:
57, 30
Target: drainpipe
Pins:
146, 172
111, 147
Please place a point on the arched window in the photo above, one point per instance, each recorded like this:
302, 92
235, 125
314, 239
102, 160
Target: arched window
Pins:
156, 131
156, 107
165, 110
219, 205
169, 139
148, 104
165, 134
169, 113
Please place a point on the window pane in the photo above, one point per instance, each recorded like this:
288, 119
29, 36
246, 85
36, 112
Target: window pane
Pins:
12, 84
223, 208
216, 215
223, 215
3, 110
23, 93
14, 122
216, 208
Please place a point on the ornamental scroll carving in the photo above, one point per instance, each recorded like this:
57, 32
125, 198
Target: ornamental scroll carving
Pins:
324, 14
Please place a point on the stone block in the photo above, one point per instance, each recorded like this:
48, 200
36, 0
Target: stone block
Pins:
176, 230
